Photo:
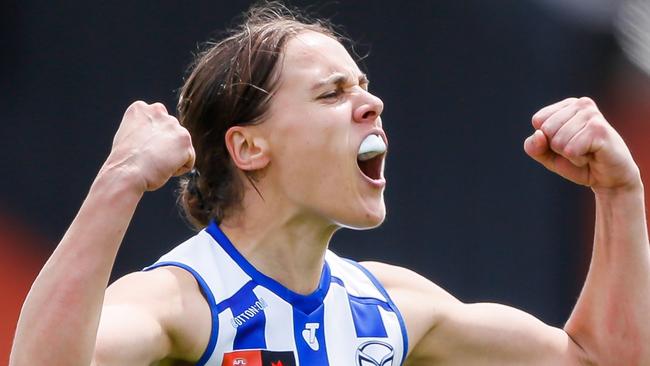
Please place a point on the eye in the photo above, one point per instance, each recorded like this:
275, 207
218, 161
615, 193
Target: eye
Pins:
334, 94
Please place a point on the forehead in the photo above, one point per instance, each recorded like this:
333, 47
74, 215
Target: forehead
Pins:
311, 56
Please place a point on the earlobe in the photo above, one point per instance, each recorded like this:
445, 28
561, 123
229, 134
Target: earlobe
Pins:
248, 151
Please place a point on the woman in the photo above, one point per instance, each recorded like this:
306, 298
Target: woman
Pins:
289, 148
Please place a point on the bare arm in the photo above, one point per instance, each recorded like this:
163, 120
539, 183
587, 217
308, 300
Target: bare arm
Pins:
59, 320
145, 319
611, 320
612, 317
610, 324
444, 331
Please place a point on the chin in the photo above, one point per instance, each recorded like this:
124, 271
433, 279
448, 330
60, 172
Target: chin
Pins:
364, 220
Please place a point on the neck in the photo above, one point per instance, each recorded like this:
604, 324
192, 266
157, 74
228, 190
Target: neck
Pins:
284, 244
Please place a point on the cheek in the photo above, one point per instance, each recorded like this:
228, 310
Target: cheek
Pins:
315, 142
320, 173
312, 151
321, 155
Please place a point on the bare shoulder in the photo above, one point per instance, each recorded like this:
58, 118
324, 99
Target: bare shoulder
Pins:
170, 284
421, 302
163, 306
400, 279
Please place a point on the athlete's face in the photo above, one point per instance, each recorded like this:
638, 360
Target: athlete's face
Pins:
320, 115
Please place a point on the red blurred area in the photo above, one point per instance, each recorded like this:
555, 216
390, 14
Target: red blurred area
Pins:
626, 105
628, 109
21, 257
631, 110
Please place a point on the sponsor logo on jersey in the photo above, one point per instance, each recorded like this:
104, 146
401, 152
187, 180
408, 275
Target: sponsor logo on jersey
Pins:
258, 358
309, 335
249, 313
375, 353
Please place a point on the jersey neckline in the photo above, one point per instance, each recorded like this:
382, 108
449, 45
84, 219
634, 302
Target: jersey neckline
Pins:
305, 303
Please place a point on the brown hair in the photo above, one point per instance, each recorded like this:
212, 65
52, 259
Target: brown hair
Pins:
231, 82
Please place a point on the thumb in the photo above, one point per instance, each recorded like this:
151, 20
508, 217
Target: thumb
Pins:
537, 147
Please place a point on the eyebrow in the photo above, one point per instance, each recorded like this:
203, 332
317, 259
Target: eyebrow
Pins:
339, 79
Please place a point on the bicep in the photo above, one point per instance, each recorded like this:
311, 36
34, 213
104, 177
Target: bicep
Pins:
129, 335
493, 334
137, 315
444, 331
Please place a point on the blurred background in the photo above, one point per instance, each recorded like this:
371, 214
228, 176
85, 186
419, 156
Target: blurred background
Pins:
460, 81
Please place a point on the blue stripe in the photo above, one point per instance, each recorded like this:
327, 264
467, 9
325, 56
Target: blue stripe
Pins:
338, 281
305, 303
304, 327
364, 300
211, 302
248, 318
367, 319
371, 301
381, 289
230, 302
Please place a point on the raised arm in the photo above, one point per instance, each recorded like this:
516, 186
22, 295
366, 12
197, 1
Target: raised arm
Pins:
59, 319
611, 320
610, 325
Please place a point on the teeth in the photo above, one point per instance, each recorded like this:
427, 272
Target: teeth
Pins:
372, 146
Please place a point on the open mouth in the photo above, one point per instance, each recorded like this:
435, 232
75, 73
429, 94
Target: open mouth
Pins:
371, 167
370, 156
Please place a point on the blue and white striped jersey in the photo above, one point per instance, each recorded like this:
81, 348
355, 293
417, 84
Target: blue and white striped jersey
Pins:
349, 320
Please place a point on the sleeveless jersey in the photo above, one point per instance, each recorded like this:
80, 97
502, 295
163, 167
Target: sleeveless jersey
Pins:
349, 320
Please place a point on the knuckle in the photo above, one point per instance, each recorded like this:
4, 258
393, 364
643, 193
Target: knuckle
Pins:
586, 102
557, 145
136, 106
187, 138
569, 102
184, 137
158, 108
169, 123
569, 152
589, 113
597, 126
547, 129
173, 120
592, 115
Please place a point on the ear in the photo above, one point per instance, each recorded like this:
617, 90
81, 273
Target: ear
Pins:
248, 151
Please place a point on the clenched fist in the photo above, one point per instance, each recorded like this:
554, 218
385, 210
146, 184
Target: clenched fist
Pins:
573, 139
151, 146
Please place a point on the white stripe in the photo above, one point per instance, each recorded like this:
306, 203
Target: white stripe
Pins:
225, 288
206, 256
356, 281
394, 332
279, 316
225, 338
340, 335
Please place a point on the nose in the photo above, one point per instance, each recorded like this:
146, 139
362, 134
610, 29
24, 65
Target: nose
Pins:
369, 109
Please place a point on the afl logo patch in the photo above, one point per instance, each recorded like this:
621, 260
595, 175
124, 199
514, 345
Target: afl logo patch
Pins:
260, 357
375, 353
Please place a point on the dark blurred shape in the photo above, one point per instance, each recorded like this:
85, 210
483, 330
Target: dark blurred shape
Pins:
595, 15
